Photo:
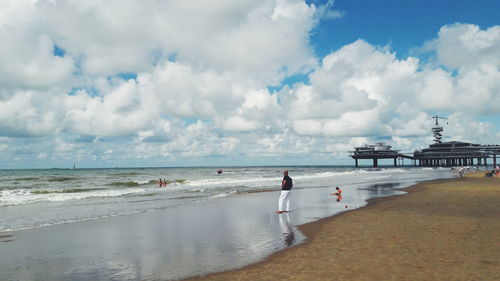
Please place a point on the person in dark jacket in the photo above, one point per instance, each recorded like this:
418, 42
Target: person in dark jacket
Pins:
286, 187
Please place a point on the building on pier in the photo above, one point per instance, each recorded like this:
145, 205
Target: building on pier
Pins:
456, 153
375, 152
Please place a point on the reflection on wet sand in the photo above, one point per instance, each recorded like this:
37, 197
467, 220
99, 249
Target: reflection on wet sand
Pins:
383, 189
286, 228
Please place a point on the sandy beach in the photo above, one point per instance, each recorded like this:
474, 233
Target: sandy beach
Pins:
440, 230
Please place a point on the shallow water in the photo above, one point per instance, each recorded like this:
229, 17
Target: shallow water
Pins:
204, 222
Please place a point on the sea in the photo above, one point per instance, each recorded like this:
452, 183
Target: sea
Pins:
42, 198
120, 224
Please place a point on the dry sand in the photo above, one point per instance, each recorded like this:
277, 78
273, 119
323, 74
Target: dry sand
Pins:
440, 230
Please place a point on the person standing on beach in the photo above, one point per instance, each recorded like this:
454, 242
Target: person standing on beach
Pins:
286, 188
461, 171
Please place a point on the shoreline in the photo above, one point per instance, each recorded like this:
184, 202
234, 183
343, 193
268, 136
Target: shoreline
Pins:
319, 256
190, 240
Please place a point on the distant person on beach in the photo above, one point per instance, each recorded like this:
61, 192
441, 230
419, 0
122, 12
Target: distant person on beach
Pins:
161, 183
461, 171
165, 182
338, 193
497, 170
489, 174
286, 188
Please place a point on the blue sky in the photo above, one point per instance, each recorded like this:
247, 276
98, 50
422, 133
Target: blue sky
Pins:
278, 82
403, 25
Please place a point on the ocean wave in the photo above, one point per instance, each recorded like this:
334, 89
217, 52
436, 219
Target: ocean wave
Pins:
72, 190
178, 181
267, 180
221, 195
19, 197
132, 183
61, 179
124, 183
124, 174
435, 168
326, 174
381, 170
230, 181
25, 179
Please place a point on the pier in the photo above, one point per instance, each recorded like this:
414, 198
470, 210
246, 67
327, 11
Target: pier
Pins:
439, 154
448, 154
455, 153
377, 151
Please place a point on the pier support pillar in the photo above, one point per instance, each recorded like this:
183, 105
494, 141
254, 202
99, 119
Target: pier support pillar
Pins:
494, 160
375, 162
395, 163
356, 161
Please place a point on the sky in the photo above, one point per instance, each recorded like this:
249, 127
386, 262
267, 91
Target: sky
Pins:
154, 83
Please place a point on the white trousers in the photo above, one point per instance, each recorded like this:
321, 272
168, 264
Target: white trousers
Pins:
284, 200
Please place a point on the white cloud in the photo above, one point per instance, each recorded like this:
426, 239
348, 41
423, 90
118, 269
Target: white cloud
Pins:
203, 74
262, 40
474, 56
239, 124
362, 90
465, 46
30, 62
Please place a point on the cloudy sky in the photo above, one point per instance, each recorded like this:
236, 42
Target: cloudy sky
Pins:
141, 83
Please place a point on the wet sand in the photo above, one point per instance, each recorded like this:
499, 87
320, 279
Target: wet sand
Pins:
440, 230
